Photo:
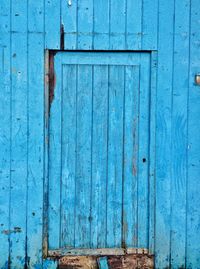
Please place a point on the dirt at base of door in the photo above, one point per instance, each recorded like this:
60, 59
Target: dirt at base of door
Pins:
133, 261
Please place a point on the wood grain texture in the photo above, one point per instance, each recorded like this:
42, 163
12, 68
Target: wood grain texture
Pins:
5, 143
193, 215
54, 164
5, 15
26, 29
164, 134
136, 261
179, 134
110, 25
52, 24
70, 23
35, 149
68, 184
99, 156
100, 105
19, 145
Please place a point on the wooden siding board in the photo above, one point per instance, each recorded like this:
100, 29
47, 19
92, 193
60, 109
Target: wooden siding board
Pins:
163, 135
143, 152
110, 24
83, 156
35, 148
5, 134
47, 263
101, 25
179, 133
193, 198
85, 25
115, 156
152, 153
164, 118
52, 24
99, 159
19, 147
36, 16
134, 24
117, 24
19, 16
149, 24
131, 124
54, 164
68, 156
69, 21
5, 12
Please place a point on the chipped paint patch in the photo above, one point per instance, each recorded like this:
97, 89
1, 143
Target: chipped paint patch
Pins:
15, 230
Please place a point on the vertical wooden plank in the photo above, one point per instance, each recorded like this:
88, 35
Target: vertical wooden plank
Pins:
193, 198
85, 24
18, 150
5, 16
143, 153
101, 25
69, 21
35, 148
83, 158
164, 139
19, 16
55, 123
149, 24
99, 157
52, 24
47, 263
179, 133
103, 263
115, 156
18, 192
117, 24
134, 25
152, 153
46, 153
36, 16
68, 156
131, 123
5, 116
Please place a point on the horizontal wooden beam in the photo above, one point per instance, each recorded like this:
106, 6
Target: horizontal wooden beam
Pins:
96, 252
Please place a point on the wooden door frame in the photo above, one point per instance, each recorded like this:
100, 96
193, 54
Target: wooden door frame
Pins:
48, 96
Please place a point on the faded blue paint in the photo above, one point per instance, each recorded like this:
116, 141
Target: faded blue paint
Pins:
171, 28
99, 150
103, 263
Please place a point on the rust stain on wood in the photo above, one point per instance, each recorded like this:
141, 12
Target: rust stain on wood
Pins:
132, 261
52, 78
129, 261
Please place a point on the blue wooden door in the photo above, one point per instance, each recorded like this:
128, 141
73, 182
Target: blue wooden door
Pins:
99, 151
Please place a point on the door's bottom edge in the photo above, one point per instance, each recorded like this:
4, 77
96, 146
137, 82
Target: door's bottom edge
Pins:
54, 253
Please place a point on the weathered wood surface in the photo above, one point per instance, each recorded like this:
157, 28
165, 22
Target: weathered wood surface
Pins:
26, 29
96, 252
100, 125
134, 261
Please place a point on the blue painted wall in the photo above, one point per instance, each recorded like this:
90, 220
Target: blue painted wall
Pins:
27, 28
